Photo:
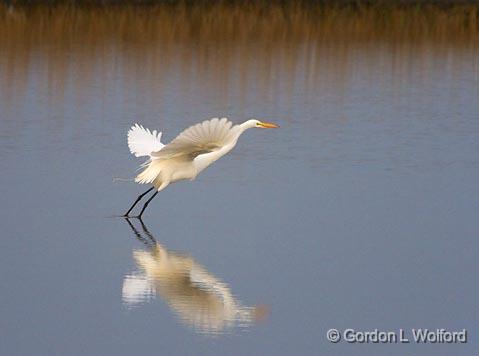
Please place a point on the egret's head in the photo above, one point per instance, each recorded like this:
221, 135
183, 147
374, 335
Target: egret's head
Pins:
260, 124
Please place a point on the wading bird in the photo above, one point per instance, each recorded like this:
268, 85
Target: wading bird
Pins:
199, 298
187, 155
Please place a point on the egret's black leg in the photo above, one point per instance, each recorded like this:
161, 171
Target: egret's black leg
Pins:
150, 241
146, 204
136, 201
146, 231
135, 231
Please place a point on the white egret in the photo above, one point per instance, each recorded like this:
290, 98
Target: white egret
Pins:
187, 155
200, 299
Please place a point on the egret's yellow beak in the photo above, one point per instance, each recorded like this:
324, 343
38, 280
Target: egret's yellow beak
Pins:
268, 125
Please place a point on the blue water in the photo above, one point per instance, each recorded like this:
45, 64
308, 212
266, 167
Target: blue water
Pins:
360, 212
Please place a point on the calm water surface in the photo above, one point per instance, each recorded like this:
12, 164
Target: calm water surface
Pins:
360, 212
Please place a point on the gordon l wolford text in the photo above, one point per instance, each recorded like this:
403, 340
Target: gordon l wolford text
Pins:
435, 336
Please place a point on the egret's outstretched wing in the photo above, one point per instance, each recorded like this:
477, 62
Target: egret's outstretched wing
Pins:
137, 288
142, 142
202, 279
208, 136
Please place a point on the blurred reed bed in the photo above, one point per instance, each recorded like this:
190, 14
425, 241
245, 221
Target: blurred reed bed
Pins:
236, 22
77, 44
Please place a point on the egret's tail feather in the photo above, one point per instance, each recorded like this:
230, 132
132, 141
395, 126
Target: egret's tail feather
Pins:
142, 141
150, 173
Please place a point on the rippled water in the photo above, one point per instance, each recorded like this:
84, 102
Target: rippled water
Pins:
201, 300
360, 212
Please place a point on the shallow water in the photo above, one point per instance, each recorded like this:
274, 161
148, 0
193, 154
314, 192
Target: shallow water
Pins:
360, 212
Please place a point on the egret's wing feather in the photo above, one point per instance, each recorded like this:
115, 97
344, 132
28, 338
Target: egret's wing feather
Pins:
142, 141
203, 280
207, 136
137, 288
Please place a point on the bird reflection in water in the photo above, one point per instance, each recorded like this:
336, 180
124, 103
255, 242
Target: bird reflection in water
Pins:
199, 299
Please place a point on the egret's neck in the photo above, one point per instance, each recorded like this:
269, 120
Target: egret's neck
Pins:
204, 160
247, 125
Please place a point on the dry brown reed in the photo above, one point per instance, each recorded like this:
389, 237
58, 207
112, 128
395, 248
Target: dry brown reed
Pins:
146, 42
233, 23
